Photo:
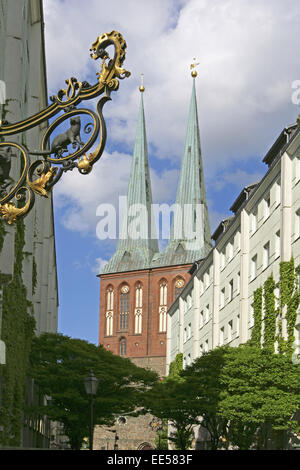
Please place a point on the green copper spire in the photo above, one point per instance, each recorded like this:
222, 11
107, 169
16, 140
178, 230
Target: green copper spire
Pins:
138, 241
190, 232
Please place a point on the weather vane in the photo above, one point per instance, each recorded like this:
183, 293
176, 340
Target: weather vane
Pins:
37, 171
193, 67
142, 88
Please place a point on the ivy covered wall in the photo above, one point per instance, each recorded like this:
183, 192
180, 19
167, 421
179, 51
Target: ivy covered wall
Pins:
18, 327
270, 311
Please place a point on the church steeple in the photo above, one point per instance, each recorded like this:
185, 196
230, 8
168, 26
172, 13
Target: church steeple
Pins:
190, 232
137, 243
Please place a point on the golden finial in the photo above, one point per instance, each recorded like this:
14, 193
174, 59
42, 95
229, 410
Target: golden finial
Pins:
142, 88
193, 66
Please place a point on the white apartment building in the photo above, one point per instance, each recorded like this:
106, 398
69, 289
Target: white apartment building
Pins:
216, 305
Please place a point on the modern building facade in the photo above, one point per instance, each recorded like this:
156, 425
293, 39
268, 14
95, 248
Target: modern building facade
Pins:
23, 70
217, 304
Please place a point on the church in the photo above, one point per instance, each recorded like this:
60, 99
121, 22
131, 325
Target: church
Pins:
139, 283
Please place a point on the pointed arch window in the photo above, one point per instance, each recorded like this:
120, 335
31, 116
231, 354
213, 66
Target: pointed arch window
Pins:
163, 292
123, 347
109, 311
124, 307
138, 311
179, 285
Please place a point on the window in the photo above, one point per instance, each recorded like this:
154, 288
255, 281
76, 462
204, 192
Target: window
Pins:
254, 221
222, 298
124, 307
238, 283
138, 309
277, 192
110, 299
238, 325
267, 205
201, 288
206, 346
163, 306
266, 255
138, 296
206, 280
201, 319
229, 251
229, 331
206, 313
184, 335
230, 290
109, 311
222, 336
277, 244
238, 241
201, 349
123, 347
189, 331
179, 285
253, 267
189, 360
222, 260
109, 323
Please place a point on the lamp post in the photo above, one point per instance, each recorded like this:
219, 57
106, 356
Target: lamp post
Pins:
91, 385
116, 447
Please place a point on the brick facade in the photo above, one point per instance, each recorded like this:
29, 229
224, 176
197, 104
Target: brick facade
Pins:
147, 349
150, 343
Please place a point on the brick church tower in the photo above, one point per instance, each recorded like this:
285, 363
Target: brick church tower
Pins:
138, 284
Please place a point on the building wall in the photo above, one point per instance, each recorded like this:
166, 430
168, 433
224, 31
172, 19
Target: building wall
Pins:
23, 69
264, 231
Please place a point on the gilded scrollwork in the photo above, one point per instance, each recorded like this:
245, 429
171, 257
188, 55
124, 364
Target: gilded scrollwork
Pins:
64, 151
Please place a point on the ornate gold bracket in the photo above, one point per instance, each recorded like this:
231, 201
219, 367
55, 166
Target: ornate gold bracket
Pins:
38, 175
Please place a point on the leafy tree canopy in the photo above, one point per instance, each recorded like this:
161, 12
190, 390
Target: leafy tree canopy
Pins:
59, 365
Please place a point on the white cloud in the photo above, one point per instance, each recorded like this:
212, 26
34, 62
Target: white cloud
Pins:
247, 64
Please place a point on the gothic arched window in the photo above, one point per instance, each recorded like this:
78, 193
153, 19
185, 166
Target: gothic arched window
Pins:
163, 291
109, 311
138, 309
123, 347
124, 307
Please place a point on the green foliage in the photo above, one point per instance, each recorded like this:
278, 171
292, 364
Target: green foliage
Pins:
34, 275
170, 400
288, 305
257, 311
270, 314
59, 365
18, 327
261, 391
176, 366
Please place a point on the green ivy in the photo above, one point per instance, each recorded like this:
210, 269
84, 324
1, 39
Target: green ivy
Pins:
176, 366
34, 275
17, 332
289, 302
257, 312
270, 314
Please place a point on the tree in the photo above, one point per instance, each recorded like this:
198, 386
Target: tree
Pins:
261, 394
205, 387
169, 400
59, 365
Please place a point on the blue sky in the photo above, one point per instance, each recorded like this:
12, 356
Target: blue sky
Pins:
247, 66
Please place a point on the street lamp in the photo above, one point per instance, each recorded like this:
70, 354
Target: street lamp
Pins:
91, 386
116, 447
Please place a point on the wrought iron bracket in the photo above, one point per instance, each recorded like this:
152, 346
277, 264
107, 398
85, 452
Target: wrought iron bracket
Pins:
39, 170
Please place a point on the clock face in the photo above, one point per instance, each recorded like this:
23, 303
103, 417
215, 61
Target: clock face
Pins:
125, 289
179, 283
